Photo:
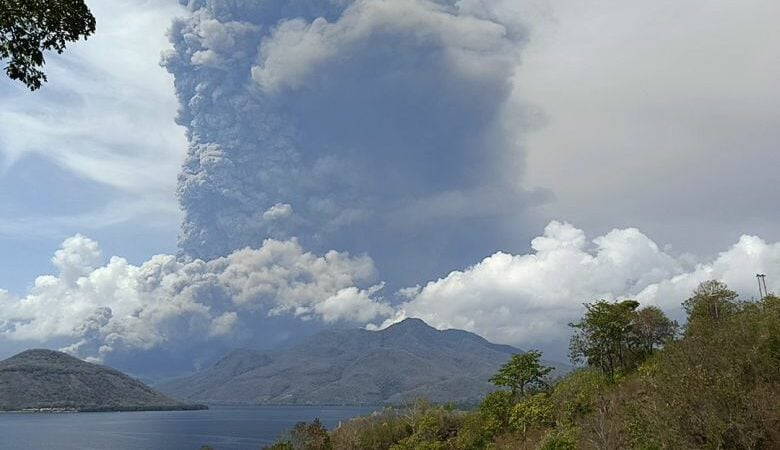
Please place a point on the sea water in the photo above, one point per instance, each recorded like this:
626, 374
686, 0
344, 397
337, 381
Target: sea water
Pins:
222, 427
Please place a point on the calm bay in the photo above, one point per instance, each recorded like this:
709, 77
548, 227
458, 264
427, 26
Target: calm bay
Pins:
222, 427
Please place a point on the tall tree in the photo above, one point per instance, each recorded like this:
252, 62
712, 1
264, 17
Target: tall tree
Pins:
30, 27
521, 372
605, 337
653, 329
711, 302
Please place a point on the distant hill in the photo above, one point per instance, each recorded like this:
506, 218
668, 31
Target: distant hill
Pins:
50, 380
405, 361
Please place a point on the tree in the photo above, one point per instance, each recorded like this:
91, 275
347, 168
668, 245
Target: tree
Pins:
305, 436
653, 329
30, 27
522, 371
605, 337
310, 436
495, 411
712, 301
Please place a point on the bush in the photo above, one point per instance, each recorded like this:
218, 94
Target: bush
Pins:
305, 436
378, 431
574, 396
495, 410
533, 411
563, 438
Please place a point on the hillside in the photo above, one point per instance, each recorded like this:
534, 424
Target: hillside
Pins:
46, 379
715, 384
405, 361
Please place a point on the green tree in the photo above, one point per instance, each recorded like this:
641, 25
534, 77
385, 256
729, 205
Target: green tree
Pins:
495, 411
311, 436
653, 329
30, 27
711, 302
605, 337
305, 436
521, 372
716, 388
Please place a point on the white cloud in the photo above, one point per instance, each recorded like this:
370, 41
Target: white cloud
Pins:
528, 300
353, 304
277, 212
77, 258
119, 306
107, 112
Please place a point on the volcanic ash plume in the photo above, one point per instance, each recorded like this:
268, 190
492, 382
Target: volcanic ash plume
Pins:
369, 126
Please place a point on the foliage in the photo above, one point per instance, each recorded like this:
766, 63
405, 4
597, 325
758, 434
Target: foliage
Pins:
376, 432
533, 411
305, 436
718, 387
30, 27
495, 411
653, 329
616, 337
431, 427
715, 388
604, 337
521, 372
712, 301
474, 433
574, 396
564, 438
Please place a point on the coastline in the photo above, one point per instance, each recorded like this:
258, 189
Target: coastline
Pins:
94, 409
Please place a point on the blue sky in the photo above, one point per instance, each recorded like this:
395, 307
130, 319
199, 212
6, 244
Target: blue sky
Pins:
96, 150
468, 162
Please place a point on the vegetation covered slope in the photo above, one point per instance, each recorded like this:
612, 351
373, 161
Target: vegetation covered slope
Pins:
645, 386
45, 379
405, 361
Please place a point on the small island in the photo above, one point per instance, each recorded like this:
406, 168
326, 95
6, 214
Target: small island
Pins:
50, 381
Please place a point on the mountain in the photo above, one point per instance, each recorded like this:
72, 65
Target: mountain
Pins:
407, 360
49, 380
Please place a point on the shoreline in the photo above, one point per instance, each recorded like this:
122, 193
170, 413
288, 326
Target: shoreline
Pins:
70, 410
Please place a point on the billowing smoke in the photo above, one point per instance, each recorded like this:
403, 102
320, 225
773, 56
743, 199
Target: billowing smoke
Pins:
108, 309
99, 309
375, 126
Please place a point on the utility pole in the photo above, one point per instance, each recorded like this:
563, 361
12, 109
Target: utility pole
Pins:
762, 292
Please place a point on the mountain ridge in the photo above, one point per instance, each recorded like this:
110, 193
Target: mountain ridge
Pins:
407, 360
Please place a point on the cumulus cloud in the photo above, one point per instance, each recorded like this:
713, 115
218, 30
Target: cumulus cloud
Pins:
117, 306
381, 124
353, 304
98, 310
528, 300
